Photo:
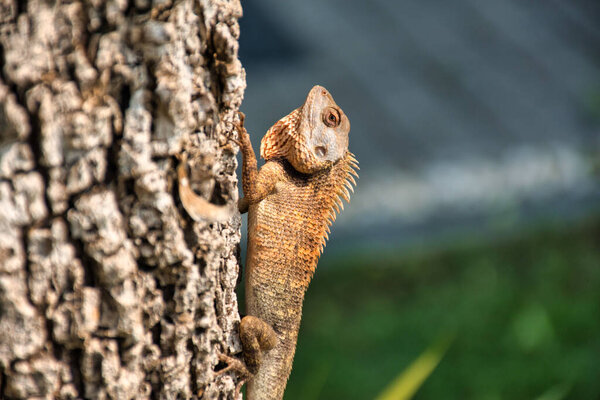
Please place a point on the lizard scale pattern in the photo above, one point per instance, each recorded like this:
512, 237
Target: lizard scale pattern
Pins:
292, 201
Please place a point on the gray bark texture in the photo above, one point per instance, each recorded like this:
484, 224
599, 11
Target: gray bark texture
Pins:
108, 290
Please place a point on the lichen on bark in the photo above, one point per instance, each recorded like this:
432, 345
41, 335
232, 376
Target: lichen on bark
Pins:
107, 288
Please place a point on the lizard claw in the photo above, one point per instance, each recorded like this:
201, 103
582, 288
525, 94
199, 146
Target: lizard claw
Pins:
236, 141
233, 364
182, 157
239, 128
237, 366
242, 118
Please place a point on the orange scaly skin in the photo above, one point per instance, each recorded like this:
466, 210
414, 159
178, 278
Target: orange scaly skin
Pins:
291, 203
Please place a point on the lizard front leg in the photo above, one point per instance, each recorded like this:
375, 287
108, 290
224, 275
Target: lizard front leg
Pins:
199, 208
257, 184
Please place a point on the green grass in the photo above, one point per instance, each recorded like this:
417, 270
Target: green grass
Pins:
525, 311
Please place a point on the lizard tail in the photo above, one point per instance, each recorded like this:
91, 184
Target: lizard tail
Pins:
197, 207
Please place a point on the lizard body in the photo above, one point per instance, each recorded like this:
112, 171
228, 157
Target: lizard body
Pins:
291, 203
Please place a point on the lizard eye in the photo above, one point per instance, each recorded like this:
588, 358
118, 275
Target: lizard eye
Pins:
331, 117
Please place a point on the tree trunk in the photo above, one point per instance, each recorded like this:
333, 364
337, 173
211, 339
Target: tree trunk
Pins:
107, 288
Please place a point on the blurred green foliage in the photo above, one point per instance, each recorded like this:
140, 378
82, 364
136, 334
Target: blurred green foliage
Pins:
412, 378
525, 309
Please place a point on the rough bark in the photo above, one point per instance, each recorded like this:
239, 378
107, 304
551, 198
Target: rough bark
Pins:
107, 289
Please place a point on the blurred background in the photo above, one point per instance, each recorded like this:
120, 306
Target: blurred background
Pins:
476, 218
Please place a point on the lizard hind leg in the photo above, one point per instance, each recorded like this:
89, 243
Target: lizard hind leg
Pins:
257, 336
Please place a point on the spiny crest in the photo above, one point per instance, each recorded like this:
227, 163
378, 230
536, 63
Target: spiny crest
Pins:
343, 182
281, 137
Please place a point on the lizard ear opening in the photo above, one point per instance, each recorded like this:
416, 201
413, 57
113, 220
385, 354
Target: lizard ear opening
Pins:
321, 151
278, 140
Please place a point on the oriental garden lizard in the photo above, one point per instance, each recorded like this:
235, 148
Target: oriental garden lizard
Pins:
291, 203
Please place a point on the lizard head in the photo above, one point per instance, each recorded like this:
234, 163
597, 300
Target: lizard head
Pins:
312, 137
